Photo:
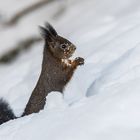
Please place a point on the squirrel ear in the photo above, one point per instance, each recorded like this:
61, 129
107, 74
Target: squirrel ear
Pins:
44, 33
51, 30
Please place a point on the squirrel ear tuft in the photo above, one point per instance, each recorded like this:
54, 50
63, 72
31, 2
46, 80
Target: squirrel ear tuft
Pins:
44, 33
51, 30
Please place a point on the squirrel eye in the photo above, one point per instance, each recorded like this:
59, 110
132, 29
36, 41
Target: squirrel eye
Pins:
63, 46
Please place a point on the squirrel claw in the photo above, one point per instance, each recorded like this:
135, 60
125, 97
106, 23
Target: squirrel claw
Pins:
79, 60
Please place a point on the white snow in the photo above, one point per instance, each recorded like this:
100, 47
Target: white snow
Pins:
102, 101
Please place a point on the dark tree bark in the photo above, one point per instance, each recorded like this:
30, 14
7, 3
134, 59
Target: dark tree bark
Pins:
20, 47
26, 11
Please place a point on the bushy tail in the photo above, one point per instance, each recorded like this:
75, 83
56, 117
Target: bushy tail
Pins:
6, 112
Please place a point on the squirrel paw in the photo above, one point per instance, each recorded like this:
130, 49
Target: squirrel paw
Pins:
79, 60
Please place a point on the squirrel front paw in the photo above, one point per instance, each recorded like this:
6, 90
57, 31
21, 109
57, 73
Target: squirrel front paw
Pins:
79, 61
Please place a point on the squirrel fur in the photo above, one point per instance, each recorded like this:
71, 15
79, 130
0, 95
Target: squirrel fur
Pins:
57, 70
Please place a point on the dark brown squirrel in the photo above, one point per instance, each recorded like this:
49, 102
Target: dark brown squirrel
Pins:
57, 70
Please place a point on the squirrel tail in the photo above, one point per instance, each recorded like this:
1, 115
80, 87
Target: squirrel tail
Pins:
6, 112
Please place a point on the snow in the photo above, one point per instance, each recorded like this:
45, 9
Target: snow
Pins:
102, 99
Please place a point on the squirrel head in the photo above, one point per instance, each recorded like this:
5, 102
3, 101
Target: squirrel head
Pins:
60, 47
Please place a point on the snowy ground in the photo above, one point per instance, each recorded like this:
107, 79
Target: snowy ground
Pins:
102, 101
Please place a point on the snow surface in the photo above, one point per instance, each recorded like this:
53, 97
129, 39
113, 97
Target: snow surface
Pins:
102, 101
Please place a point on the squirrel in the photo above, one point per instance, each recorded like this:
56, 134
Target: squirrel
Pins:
57, 70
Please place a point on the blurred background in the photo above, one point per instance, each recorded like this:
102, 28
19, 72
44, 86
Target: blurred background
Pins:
80, 21
19, 22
